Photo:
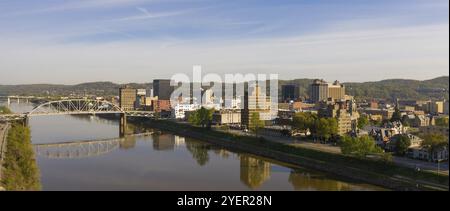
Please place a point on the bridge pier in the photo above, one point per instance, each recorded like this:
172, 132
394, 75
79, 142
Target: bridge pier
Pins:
25, 121
123, 124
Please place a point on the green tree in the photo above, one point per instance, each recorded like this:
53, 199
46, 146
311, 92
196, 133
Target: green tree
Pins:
434, 142
255, 123
402, 143
325, 128
303, 121
5, 110
359, 147
397, 115
442, 121
199, 151
332, 129
362, 122
202, 117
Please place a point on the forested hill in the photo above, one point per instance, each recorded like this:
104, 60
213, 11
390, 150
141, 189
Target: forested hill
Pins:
437, 88
94, 88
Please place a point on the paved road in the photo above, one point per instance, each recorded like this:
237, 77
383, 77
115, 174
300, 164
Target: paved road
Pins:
423, 165
407, 162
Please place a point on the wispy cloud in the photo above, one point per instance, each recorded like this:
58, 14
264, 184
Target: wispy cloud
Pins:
412, 52
77, 5
150, 15
140, 39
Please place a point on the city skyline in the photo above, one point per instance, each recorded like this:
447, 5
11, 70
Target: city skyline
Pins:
126, 41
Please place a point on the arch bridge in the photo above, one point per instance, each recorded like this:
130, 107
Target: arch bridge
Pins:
78, 107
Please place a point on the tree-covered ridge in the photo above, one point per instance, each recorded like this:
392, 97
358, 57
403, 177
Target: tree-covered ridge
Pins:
94, 88
437, 88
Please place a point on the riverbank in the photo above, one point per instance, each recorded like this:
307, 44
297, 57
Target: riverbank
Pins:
20, 171
374, 172
4, 127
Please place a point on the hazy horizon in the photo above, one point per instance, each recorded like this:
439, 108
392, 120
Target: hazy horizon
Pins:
150, 81
122, 41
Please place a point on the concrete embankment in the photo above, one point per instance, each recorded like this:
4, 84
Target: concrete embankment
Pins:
343, 165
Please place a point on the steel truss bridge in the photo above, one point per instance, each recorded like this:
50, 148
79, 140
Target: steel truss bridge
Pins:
81, 149
76, 107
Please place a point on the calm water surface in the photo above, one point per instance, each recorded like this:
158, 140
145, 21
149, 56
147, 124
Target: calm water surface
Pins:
90, 157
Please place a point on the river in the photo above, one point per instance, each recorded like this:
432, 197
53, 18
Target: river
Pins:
90, 157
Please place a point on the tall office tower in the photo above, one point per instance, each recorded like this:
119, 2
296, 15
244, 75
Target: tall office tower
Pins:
290, 92
140, 98
319, 91
336, 90
127, 98
162, 89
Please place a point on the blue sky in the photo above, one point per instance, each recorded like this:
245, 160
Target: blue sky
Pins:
73, 41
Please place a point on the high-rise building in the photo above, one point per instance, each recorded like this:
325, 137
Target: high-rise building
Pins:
336, 91
258, 101
290, 92
436, 107
162, 89
127, 98
341, 114
321, 91
140, 98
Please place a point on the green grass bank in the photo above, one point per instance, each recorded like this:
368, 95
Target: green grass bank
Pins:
20, 170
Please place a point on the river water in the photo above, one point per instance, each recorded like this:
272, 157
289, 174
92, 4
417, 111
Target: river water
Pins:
90, 157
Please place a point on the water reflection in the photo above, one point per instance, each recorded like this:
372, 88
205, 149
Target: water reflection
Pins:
199, 151
128, 143
163, 142
161, 161
254, 171
306, 181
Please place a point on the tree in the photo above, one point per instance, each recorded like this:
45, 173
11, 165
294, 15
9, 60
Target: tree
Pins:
402, 143
359, 146
5, 110
325, 128
362, 122
434, 142
397, 115
442, 122
255, 123
199, 152
303, 121
202, 117
333, 126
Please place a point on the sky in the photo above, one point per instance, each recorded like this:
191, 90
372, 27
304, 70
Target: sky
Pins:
76, 41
